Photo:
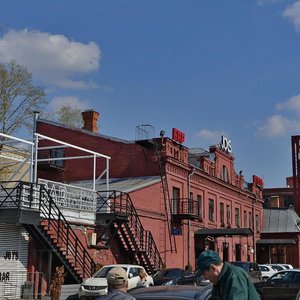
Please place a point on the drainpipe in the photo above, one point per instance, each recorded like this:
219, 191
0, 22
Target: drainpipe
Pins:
192, 171
254, 230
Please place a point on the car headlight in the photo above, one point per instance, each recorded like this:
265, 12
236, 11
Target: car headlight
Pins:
170, 282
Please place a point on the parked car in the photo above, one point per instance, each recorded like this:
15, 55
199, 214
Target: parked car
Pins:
282, 285
174, 276
266, 271
97, 285
251, 268
166, 292
288, 266
277, 267
200, 280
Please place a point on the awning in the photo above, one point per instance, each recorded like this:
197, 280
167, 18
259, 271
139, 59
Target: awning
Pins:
276, 241
224, 231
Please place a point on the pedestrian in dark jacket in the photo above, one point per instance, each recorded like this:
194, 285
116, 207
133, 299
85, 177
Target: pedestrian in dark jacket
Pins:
229, 282
117, 282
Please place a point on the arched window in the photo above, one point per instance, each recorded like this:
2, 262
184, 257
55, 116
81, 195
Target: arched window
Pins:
225, 174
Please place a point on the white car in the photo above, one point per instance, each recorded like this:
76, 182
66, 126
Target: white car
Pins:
266, 271
97, 285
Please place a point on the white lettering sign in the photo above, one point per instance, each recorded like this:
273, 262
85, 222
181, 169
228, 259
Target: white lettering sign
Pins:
225, 144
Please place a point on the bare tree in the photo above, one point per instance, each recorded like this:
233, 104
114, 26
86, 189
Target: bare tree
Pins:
69, 116
18, 97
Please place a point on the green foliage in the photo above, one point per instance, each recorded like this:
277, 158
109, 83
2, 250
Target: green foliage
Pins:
18, 98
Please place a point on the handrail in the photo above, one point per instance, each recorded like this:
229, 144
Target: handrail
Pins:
67, 236
118, 202
186, 206
37, 197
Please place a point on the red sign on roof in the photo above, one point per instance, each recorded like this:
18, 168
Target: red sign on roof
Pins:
258, 181
178, 135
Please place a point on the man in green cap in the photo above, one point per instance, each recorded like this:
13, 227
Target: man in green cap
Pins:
229, 282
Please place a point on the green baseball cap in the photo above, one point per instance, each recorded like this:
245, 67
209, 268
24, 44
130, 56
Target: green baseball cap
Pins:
206, 258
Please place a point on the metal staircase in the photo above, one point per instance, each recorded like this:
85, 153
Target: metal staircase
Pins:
165, 188
32, 206
123, 221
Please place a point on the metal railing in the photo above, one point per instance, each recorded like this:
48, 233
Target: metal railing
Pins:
22, 284
142, 240
30, 196
186, 208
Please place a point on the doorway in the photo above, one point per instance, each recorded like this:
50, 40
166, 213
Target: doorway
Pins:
238, 252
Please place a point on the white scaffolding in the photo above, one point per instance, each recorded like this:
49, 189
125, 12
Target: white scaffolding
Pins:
30, 159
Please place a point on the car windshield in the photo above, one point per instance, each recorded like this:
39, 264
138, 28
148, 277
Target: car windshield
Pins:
103, 272
173, 273
242, 265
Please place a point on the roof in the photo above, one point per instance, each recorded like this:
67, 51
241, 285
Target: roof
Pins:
86, 131
279, 220
126, 185
215, 232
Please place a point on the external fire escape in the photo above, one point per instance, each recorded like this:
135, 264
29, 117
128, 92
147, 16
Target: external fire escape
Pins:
32, 204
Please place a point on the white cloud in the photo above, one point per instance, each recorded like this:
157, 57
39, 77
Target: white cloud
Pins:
292, 12
293, 104
52, 58
267, 2
56, 102
277, 126
209, 134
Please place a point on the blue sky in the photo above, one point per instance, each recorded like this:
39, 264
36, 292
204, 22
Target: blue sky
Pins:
205, 67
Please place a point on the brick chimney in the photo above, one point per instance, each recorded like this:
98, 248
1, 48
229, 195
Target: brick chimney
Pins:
90, 118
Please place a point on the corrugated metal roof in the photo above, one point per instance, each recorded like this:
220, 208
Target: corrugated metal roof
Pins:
126, 185
278, 220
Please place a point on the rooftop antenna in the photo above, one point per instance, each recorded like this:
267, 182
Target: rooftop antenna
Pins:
144, 132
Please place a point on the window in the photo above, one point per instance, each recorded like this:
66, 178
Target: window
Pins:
250, 220
228, 216
237, 217
257, 223
225, 174
245, 219
222, 214
57, 153
211, 209
175, 202
199, 200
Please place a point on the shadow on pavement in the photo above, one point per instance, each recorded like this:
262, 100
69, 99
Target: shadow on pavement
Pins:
72, 297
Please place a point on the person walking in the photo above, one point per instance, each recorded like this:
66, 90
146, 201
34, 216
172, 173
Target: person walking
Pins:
229, 282
143, 279
117, 282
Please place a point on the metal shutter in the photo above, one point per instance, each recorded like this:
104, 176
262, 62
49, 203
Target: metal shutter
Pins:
13, 260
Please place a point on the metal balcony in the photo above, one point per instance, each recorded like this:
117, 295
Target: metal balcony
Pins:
185, 209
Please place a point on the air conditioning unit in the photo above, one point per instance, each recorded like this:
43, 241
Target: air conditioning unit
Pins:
92, 239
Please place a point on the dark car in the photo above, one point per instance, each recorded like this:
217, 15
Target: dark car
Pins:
200, 280
251, 268
174, 276
181, 292
282, 285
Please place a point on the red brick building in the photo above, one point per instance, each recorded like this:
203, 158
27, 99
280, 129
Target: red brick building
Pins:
165, 203
207, 178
